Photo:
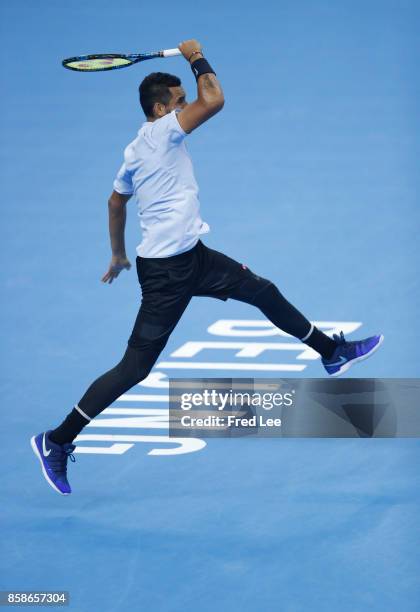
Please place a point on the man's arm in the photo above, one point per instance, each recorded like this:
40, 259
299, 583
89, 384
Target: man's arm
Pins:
117, 216
210, 99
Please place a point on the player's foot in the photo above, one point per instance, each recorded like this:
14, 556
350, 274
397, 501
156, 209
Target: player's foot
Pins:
348, 353
53, 458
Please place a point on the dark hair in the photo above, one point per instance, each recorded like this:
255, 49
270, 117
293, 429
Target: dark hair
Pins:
155, 88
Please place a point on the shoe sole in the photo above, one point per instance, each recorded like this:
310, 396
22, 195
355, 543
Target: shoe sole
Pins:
348, 365
47, 478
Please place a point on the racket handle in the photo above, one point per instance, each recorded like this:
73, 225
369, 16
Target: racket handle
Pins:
171, 52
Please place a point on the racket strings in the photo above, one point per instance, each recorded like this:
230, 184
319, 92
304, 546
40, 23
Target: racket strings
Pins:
98, 63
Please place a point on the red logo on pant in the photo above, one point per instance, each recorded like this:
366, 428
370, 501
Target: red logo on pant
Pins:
244, 267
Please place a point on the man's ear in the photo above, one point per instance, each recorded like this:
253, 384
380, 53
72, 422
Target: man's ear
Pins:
159, 109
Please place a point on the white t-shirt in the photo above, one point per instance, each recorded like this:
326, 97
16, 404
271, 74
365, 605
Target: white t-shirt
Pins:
158, 170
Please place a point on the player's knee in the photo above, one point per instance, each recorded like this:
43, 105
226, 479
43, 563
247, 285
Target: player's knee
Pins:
267, 293
252, 287
141, 372
135, 366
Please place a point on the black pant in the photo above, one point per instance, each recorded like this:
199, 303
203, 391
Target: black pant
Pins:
168, 284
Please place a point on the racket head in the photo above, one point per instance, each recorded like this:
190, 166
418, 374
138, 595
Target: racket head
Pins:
100, 62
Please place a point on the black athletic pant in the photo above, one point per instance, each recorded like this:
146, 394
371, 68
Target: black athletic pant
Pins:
167, 285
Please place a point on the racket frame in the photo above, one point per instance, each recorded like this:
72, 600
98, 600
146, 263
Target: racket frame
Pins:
133, 58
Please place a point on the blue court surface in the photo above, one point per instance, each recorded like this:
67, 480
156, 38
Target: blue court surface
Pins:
310, 177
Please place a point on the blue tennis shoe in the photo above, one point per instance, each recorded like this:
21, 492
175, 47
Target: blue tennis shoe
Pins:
53, 458
348, 353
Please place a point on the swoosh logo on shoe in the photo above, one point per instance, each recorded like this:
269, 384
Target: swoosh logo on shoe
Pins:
44, 449
337, 363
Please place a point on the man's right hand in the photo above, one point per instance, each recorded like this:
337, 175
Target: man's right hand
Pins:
210, 98
188, 47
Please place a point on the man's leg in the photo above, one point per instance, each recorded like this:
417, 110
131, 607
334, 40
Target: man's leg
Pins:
338, 354
150, 334
265, 295
224, 278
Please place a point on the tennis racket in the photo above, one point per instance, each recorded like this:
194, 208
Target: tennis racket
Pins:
112, 61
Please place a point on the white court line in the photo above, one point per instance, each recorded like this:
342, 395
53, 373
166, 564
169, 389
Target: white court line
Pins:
207, 365
135, 397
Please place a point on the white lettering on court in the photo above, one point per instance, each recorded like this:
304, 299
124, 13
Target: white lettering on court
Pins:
152, 418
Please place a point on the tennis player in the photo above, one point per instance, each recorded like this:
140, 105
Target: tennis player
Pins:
173, 264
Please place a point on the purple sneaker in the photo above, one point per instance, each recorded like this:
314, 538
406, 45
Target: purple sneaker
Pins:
348, 353
53, 458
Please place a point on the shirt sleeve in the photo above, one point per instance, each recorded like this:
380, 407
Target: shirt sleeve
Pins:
167, 129
123, 183
176, 132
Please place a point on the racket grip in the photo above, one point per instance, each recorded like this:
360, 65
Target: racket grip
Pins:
171, 52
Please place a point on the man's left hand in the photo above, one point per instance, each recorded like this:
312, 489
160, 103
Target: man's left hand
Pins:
118, 263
